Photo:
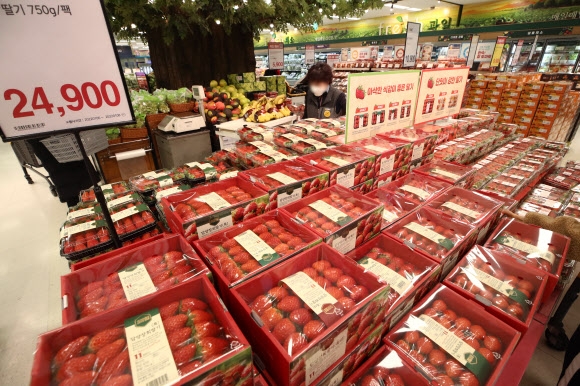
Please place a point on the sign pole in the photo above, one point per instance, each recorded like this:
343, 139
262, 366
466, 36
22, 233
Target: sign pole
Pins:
98, 191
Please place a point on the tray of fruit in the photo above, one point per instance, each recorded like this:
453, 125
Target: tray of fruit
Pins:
417, 188
363, 188
527, 207
282, 312
128, 275
545, 202
422, 143
504, 185
146, 182
396, 206
522, 171
247, 249
185, 332
572, 209
83, 209
343, 218
218, 157
298, 142
346, 166
289, 153
165, 191
255, 133
266, 157
84, 236
451, 173
510, 289
108, 190
389, 155
336, 125
131, 217
452, 340
196, 173
560, 181
287, 181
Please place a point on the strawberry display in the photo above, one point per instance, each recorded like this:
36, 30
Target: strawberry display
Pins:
298, 142
417, 188
83, 235
289, 153
396, 206
336, 125
195, 172
255, 133
389, 156
442, 326
266, 157
108, 190
146, 182
522, 171
131, 217
562, 179
448, 172
505, 185
423, 144
217, 157
466, 206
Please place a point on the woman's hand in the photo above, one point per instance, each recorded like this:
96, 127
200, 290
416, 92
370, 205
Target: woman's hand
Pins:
511, 214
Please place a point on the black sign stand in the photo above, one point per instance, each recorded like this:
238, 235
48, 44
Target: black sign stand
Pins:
98, 191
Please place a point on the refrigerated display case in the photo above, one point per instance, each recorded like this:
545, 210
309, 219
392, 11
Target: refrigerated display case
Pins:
523, 64
560, 56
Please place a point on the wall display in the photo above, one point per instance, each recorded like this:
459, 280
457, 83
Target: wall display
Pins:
411, 43
440, 93
517, 52
497, 50
380, 102
309, 55
275, 56
69, 90
484, 52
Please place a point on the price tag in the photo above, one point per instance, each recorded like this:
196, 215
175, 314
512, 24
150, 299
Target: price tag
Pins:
136, 281
214, 200
259, 250
281, 177
276, 56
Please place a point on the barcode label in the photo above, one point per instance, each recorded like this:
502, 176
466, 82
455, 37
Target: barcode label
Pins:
159, 381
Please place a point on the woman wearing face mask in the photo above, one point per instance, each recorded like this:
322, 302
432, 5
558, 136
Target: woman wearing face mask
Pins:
322, 100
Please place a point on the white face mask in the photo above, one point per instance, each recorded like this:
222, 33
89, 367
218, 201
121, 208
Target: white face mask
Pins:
319, 90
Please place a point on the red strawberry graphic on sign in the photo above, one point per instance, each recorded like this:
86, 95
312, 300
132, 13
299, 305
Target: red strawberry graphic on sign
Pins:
360, 93
430, 83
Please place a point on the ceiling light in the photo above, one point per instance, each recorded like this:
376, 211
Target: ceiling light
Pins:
218, 22
438, 1
320, 10
295, 29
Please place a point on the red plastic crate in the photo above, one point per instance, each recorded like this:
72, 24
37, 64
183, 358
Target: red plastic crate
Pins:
435, 319
546, 248
332, 338
160, 276
510, 289
417, 188
396, 206
389, 155
350, 219
236, 360
422, 143
458, 175
287, 181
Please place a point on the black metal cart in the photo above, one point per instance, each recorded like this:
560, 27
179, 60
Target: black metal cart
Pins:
29, 161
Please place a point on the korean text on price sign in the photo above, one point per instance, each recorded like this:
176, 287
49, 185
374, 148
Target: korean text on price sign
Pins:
276, 56
59, 69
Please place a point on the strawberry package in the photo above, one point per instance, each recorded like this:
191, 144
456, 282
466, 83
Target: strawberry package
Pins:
146, 182
145, 237
84, 236
287, 181
417, 188
363, 188
336, 125
409, 274
317, 303
128, 275
396, 206
343, 218
247, 249
196, 173
183, 335
572, 209
345, 166
131, 216
451, 173
422, 143
527, 207
165, 191
560, 181
522, 171
421, 162
452, 340
509, 289
257, 153
289, 153
470, 207
298, 142
505, 185
255, 133
385, 367
83, 209
388, 155
108, 190
207, 209
545, 249
442, 239
544, 202
551, 193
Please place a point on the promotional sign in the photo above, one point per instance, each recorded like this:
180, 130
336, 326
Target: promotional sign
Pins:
497, 50
399, 52
411, 42
427, 51
344, 54
49, 79
357, 53
388, 52
533, 49
374, 52
440, 93
379, 102
332, 59
484, 52
464, 50
517, 52
275, 56
309, 54
473, 50
453, 50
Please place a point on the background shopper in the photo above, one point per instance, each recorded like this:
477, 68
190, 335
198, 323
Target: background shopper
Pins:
322, 100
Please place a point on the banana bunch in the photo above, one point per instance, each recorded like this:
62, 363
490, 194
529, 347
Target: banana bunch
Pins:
266, 109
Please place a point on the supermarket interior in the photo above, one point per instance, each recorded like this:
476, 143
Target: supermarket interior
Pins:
268, 192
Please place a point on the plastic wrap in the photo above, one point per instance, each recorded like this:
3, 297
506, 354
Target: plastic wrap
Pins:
255, 133
448, 172
108, 191
84, 236
423, 143
388, 155
131, 216
417, 188
298, 142
396, 206
505, 185
146, 182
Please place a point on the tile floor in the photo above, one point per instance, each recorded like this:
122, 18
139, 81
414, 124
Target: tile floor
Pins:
31, 267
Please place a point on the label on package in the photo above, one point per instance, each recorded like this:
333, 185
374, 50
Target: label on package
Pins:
149, 352
336, 379
323, 358
377, 149
120, 201
321, 302
345, 176
532, 250
165, 181
345, 244
154, 174
80, 213
164, 193
445, 173
261, 145
331, 212
257, 247
65, 232
214, 200
418, 151
416, 191
307, 128
506, 183
327, 132
387, 164
227, 175
288, 194
549, 203
275, 155
337, 161
282, 178
454, 346
461, 209
500, 286
292, 137
389, 216
317, 144
431, 235
136, 281
207, 169
128, 212
397, 282
541, 193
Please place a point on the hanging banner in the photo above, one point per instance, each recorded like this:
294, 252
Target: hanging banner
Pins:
533, 50
69, 90
472, 50
275, 56
411, 42
440, 93
309, 54
332, 59
453, 50
497, 50
388, 52
484, 51
360, 53
379, 102
517, 52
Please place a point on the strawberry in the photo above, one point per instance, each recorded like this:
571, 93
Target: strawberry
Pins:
273, 242
189, 367
271, 317
277, 293
360, 92
89, 288
283, 330
332, 274
335, 292
169, 310
75, 365
160, 277
211, 347
242, 258
300, 316
173, 323
313, 328
112, 279
178, 337
85, 378
261, 304
294, 343
114, 367
71, 350
152, 261
310, 272
251, 266
259, 229
190, 304
358, 293
345, 282
229, 244
200, 316
180, 270
94, 307
172, 256
117, 303
184, 354
110, 351
321, 265
323, 282
282, 249
105, 337
272, 224
289, 303
90, 297
347, 303
121, 380
369, 380
205, 329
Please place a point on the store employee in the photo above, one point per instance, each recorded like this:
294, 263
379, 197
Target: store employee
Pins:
322, 100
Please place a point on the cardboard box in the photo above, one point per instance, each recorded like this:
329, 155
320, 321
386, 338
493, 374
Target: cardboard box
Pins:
498, 85
557, 87
527, 103
511, 94
546, 114
549, 105
495, 92
479, 83
552, 97
506, 118
507, 109
534, 86
508, 102
472, 105
530, 95
476, 91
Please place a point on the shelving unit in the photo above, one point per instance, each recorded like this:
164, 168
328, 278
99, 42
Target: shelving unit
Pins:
560, 57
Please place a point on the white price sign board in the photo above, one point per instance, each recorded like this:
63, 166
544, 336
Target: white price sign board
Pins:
440, 93
309, 54
484, 51
357, 53
411, 43
380, 101
276, 56
59, 69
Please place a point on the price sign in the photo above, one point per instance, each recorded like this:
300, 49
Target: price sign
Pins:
276, 56
411, 43
332, 59
69, 90
497, 50
484, 51
472, 50
309, 54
